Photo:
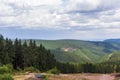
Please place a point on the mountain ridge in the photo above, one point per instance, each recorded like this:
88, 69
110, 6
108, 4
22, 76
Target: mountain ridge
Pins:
78, 50
112, 40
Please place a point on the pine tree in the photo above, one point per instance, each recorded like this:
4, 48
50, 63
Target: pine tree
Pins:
19, 58
25, 54
8, 51
1, 49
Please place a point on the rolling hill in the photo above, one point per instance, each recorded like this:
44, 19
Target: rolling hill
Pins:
112, 57
80, 51
113, 40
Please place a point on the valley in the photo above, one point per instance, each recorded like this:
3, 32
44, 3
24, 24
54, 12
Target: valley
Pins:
78, 51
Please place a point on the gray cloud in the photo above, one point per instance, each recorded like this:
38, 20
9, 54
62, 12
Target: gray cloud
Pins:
77, 15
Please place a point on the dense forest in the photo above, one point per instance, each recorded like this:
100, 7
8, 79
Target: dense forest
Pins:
25, 55
21, 55
89, 67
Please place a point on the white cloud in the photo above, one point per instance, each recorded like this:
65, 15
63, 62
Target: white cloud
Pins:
5, 9
81, 5
60, 14
109, 4
32, 2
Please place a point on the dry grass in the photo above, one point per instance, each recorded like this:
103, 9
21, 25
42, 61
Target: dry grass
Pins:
67, 77
72, 77
81, 77
19, 77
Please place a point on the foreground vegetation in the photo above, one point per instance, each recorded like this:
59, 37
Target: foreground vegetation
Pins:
5, 73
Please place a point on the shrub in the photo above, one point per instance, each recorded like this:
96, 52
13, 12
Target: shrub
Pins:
4, 69
31, 69
43, 77
5, 77
54, 71
10, 67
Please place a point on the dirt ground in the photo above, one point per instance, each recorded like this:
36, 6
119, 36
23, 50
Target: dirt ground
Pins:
82, 77
19, 77
73, 77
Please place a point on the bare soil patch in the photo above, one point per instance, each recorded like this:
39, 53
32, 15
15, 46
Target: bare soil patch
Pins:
73, 77
82, 77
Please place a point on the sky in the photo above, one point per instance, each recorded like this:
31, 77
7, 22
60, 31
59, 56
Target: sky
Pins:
60, 19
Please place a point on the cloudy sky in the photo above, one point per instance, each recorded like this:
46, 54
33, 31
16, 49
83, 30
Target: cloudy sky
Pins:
60, 19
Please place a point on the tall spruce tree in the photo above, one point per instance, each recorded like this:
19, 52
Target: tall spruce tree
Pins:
26, 54
19, 58
1, 49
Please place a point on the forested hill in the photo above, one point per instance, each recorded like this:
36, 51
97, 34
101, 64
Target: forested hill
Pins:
78, 50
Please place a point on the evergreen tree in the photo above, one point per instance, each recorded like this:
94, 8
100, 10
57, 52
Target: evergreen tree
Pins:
19, 58
1, 49
7, 50
25, 54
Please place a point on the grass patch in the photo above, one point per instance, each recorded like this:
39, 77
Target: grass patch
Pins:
6, 77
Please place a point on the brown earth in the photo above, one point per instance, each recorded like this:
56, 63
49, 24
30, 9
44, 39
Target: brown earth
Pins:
82, 77
73, 77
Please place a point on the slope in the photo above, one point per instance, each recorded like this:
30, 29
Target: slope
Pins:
78, 50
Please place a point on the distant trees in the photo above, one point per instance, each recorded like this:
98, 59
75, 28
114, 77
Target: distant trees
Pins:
87, 68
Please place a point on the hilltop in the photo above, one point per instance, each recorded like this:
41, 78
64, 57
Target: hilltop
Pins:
79, 51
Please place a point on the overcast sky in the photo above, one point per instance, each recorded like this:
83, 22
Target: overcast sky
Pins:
60, 19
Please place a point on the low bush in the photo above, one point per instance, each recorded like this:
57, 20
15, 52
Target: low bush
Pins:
54, 71
5, 77
31, 69
10, 67
43, 77
4, 69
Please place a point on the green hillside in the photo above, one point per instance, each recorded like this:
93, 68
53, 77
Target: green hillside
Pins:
113, 57
79, 51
